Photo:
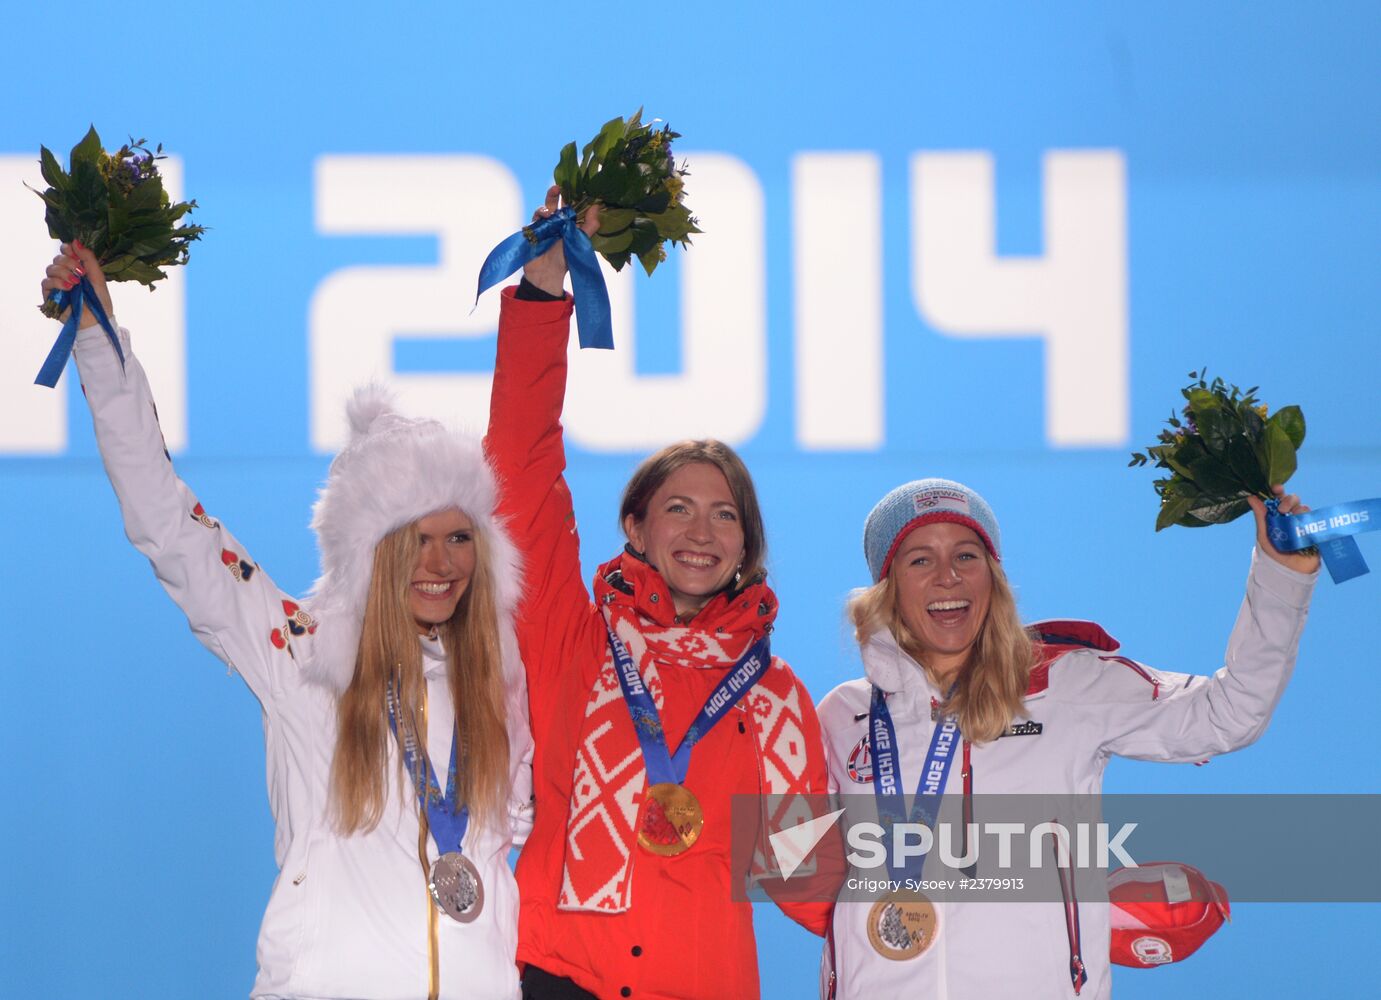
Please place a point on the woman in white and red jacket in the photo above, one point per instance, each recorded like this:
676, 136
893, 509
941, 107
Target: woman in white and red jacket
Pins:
964, 693
409, 629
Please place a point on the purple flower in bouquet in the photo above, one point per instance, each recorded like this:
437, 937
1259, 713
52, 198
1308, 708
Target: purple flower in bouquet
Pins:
115, 203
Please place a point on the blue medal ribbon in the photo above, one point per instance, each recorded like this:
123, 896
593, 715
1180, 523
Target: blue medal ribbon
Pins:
663, 766
84, 291
446, 823
1331, 529
887, 788
587, 283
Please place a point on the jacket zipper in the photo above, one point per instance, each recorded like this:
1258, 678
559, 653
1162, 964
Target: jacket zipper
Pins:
832, 984
967, 819
1078, 975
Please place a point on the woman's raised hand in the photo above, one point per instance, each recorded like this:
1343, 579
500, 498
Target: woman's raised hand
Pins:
1300, 562
548, 272
67, 269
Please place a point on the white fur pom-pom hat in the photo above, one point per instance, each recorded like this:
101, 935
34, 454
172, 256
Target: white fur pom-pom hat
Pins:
394, 471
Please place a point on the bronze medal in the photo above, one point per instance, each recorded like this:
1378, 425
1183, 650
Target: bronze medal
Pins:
671, 820
903, 925
456, 887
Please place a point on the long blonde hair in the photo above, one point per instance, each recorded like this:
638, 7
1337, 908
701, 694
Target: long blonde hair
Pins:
390, 655
993, 681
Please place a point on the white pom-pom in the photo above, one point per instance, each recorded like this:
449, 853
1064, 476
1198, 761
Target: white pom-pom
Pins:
368, 404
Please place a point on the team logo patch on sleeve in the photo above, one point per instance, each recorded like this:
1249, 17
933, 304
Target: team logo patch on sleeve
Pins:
861, 763
201, 517
298, 623
239, 568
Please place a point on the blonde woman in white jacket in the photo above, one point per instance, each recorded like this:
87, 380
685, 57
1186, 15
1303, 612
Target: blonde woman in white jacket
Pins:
395, 713
957, 689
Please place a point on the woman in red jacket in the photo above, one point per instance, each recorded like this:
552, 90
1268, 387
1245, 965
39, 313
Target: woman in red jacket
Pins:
627, 884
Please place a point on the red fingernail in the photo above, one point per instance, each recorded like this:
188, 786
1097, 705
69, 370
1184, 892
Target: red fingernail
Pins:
78, 244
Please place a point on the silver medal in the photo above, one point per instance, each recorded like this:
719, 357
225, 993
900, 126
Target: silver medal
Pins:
456, 887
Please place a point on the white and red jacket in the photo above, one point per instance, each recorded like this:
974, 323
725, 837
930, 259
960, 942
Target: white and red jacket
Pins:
348, 914
1090, 704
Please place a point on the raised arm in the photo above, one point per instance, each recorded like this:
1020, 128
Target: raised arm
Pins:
1152, 715
234, 609
525, 443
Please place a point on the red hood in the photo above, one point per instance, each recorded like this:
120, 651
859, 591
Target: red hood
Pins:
1055, 638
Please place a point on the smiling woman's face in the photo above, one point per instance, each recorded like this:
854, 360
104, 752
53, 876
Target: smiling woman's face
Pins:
943, 589
445, 563
692, 534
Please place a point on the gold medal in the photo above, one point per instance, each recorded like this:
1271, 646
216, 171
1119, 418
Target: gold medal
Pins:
903, 925
671, 820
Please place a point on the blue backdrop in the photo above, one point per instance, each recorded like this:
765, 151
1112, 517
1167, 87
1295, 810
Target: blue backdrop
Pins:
981, 240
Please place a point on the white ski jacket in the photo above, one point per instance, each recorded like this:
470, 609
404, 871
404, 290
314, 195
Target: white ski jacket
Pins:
1085, 708
348, 914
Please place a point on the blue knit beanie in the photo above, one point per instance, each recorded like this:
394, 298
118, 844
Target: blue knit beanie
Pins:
924, 501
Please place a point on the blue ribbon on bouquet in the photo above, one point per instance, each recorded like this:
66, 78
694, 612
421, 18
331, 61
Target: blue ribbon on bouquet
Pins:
56, 361
587, 283
1331, 529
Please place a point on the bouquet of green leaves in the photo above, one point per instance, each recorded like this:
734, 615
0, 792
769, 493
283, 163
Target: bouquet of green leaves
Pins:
628, 167
1221, 448
116, 205
629, 170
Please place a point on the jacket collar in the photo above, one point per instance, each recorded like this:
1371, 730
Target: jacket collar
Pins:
433, 657
1056, 638
891, 669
